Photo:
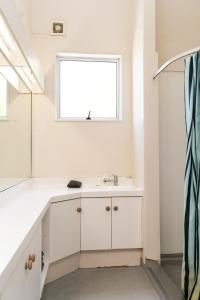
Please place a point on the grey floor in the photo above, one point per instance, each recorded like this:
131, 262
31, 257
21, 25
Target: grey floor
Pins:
103, 284
173, 269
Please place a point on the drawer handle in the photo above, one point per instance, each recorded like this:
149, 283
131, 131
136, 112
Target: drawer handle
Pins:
107, 208
28, 265
32, 257
30, 261
116, 208
79, 210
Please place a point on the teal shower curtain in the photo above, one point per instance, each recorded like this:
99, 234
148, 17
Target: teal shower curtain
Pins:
191, 263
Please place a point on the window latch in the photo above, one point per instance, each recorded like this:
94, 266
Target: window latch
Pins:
88, 117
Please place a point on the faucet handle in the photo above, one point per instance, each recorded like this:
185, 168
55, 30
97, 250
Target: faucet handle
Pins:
115, 179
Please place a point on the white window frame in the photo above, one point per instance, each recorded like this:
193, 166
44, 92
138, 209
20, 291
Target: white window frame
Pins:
90, 57
5, 118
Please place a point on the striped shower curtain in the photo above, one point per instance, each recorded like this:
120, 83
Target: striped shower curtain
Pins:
191, 262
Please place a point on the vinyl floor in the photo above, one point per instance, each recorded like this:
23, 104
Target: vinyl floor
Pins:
126, 283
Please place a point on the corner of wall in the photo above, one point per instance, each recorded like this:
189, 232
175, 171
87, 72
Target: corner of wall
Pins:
146, 123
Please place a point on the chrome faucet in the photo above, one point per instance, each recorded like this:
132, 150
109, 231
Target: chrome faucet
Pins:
114, 180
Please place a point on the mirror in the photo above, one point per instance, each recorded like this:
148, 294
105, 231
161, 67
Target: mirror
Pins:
15, 135
20, 75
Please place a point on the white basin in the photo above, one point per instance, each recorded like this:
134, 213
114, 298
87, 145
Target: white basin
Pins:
108, 187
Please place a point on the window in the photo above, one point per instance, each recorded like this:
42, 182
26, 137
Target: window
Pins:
3, 97
88, 87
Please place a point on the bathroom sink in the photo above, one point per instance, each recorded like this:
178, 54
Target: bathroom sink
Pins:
93, 190
108, 187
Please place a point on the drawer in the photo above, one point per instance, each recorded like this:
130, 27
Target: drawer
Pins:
24, 284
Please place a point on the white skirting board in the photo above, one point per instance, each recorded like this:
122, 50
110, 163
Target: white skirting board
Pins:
94, 259
117, 258
62, 267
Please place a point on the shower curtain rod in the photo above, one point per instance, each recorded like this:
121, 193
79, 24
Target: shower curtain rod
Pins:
175, 58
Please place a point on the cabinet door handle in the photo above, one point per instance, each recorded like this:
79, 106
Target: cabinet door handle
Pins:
116, 208
107, 208
30, 261
28, 264
79, 210
32, 257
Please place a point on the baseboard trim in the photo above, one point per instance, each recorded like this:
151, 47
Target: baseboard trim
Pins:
63, 267
93, 259
172, 258
115, 258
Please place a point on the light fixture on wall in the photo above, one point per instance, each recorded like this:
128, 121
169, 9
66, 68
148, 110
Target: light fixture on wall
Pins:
7, 42
9, 74
17, 59
26, 76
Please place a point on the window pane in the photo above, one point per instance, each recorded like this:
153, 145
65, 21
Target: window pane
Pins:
3, 97
88, 86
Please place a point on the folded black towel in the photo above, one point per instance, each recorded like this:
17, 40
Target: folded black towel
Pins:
74, 184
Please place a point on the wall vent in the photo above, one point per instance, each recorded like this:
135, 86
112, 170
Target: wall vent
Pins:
58, 28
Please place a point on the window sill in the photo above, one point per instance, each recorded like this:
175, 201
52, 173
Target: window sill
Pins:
4, 119
88, 121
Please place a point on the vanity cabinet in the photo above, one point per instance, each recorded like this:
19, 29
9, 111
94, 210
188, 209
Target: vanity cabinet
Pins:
24, 283
126, 223
111, 223
65, 222
90, 224
96, 223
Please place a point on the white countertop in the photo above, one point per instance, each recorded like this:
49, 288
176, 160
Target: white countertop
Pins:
5, 183
23, 207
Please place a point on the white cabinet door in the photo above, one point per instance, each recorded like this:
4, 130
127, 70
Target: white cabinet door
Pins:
96, 224
64, 229
126, 223
25, 284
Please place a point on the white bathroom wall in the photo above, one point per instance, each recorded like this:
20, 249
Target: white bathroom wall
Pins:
138, 94
151, 135
172, 161
178, 29
80, 148
146, 123
23, 7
